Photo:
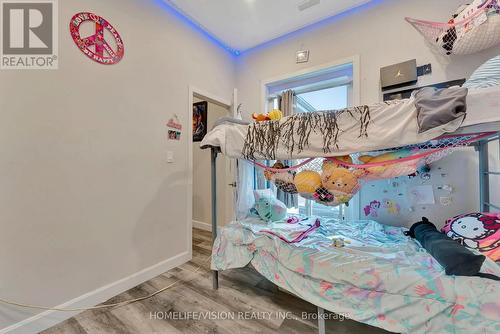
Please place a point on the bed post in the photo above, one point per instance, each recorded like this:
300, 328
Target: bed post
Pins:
484, 177
321, 321
215, 273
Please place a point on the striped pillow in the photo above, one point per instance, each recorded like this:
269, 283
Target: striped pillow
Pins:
487, 75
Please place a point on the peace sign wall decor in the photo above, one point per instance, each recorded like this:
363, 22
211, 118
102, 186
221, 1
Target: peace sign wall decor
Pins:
95, 46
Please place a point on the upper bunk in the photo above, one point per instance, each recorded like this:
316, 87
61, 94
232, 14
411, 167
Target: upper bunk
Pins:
426, 116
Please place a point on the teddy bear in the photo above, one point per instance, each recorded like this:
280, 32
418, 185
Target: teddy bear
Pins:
341, 182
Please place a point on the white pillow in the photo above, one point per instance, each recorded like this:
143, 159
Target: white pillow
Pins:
487, 75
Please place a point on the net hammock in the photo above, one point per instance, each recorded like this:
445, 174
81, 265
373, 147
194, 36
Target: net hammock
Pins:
474, 29
334, 181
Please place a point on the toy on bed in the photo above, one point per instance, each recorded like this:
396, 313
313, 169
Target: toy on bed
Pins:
480, 231
473, 27
274, 115
267, 207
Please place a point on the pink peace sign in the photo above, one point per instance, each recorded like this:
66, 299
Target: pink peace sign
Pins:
95, 46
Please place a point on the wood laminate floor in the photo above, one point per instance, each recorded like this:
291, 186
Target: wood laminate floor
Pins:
246, 300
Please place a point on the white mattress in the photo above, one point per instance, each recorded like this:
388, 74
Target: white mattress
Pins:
483, 106
391, 126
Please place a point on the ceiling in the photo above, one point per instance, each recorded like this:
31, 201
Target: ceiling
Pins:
244, 24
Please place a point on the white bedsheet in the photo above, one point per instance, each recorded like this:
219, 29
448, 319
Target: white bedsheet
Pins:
483, 106
390, 126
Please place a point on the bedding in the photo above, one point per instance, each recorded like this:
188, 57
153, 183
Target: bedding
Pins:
381, 277
375, 127
487, 75
439, 106
480, 231
455, 258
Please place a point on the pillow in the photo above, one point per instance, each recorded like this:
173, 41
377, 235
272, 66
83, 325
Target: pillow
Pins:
477, 231
453, 257
487, 75
436, 107
268, 207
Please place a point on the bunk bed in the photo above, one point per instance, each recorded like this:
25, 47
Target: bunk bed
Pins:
382, 278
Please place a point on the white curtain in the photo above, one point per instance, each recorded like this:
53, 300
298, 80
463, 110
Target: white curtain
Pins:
244, 193
287, 106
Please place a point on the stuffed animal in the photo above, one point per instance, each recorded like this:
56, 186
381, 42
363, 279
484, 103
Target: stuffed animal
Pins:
381, 170
323, 196
274, 115
332, 164
307, 182
477, 231
341, 182
269, 174
285, 182
268, 207
395, 155
260, 117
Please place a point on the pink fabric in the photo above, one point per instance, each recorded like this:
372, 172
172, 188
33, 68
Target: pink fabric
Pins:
300, 237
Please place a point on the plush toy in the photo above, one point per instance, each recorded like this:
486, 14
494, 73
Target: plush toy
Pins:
260, 117
341, 182
269, 174
285, 182
392, 170
477, 231
395, 155
332, 164
323, 196
307, 182
274, 115
268, 207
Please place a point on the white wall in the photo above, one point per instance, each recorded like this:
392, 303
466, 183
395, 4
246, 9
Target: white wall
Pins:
377, 33
87, 197
202, 191
462, 177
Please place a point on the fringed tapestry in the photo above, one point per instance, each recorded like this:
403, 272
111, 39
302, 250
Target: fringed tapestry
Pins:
263, 139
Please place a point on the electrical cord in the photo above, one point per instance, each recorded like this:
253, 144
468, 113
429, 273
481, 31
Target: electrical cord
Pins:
99, 307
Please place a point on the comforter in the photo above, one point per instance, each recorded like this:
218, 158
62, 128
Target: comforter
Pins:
427, 115
381, 277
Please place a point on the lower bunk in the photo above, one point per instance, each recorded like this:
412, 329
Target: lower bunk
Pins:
376, 275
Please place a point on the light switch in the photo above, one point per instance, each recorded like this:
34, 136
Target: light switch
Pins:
170, 157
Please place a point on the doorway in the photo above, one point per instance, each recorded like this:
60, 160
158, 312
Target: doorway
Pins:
201, 194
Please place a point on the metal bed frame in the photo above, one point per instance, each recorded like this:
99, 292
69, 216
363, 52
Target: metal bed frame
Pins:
482, 147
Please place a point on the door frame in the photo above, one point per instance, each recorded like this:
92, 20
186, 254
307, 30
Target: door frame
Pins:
232, 106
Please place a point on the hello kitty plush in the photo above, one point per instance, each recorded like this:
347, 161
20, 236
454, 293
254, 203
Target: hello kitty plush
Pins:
477, 231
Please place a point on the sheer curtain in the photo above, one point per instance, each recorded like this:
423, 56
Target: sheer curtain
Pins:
287, 106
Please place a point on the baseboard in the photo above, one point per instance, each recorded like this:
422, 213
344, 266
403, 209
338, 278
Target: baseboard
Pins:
48, 319
202, 226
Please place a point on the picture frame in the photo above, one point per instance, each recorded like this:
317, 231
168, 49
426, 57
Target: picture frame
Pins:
200, 120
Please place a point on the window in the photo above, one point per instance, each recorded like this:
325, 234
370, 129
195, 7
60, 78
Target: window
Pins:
329, 89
